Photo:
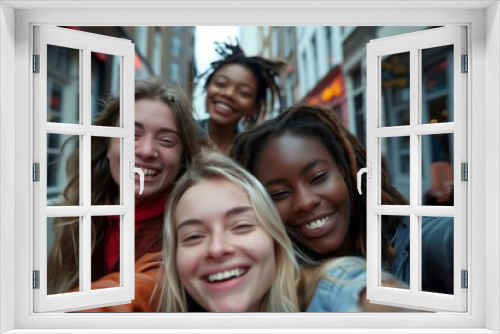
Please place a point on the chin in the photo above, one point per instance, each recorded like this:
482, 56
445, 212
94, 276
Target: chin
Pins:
230, 308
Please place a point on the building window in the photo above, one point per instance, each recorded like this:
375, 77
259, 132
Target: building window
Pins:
157, 49
275, 41
176, 47
174, 74
141, 40
329, 46
288, 42
315, 64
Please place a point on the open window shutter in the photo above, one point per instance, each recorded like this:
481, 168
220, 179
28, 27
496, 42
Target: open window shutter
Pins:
52, 124
415, 131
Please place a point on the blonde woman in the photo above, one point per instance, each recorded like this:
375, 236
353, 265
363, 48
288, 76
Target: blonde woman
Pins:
225, 248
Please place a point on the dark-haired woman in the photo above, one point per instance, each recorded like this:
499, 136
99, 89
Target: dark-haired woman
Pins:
165, 133
308, 162
236, 89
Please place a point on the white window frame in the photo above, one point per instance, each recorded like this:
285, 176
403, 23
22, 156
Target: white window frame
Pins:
413, 43
85, 43
483, 20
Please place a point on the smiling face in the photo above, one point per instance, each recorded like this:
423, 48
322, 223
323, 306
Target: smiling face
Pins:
231, 95
309, 191
158, 150
224, 257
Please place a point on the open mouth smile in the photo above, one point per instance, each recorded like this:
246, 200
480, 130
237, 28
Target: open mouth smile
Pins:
226, 275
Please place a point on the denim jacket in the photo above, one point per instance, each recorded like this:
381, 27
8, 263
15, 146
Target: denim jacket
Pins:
437, 254
340, 290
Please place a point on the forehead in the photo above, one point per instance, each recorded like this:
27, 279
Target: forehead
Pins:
210, 199
235, 71
293, 150
157, 111
154, 113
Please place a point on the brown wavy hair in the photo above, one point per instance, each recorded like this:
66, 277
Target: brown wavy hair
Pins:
323, 124
63, 262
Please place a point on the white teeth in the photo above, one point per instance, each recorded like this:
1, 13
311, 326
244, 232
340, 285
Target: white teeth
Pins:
223, 107
317, 223
149, 171
226, 274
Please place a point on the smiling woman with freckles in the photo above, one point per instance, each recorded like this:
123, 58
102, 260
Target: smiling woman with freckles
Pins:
163, 152
227, 252
237, 88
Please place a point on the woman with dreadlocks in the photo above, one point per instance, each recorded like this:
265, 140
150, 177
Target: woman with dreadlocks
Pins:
308, 162
236, 89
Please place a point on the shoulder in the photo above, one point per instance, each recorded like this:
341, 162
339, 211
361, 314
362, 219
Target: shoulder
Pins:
340, 288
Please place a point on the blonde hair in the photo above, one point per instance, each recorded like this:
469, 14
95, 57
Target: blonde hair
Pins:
282, 295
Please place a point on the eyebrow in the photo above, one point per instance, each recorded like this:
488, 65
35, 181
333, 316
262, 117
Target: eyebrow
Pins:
162, 130
303, 170
240, 83
232, 212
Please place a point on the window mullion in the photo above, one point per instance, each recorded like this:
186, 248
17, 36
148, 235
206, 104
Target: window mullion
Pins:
415, 171
85, 165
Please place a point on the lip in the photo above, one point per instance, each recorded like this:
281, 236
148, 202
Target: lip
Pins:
219, 110
225, 268
319, 232
147, 179
223, 286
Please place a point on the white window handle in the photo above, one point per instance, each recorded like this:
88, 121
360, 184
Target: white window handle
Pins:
368, 171
141, 176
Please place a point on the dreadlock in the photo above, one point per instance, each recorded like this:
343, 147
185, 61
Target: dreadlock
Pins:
324, 125
266, 71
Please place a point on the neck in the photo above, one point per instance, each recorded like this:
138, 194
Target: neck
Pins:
222, 135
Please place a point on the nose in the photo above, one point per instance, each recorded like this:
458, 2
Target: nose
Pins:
305, 200
220, 246
145, 148
228, 91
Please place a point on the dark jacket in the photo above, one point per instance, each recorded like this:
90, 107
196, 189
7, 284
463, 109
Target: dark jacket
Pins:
437, 254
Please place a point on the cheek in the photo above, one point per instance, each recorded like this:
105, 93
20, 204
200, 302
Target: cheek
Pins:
183, 264
283, 210
171, 159
264, 249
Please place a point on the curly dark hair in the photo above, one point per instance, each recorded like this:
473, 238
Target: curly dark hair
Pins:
266, 72
323, 124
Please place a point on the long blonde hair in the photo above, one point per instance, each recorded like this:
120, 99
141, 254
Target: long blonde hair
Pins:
282, 296
63, 262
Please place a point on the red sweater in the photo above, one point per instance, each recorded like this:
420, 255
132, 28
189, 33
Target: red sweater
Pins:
144, 214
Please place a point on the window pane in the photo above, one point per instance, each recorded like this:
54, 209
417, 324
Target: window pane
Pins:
396, 162
395, 99
105, 84
106, 254
105, 169
63, 169
437, 254
63, 247
63, 85
400, 244
437, 85
437, 169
